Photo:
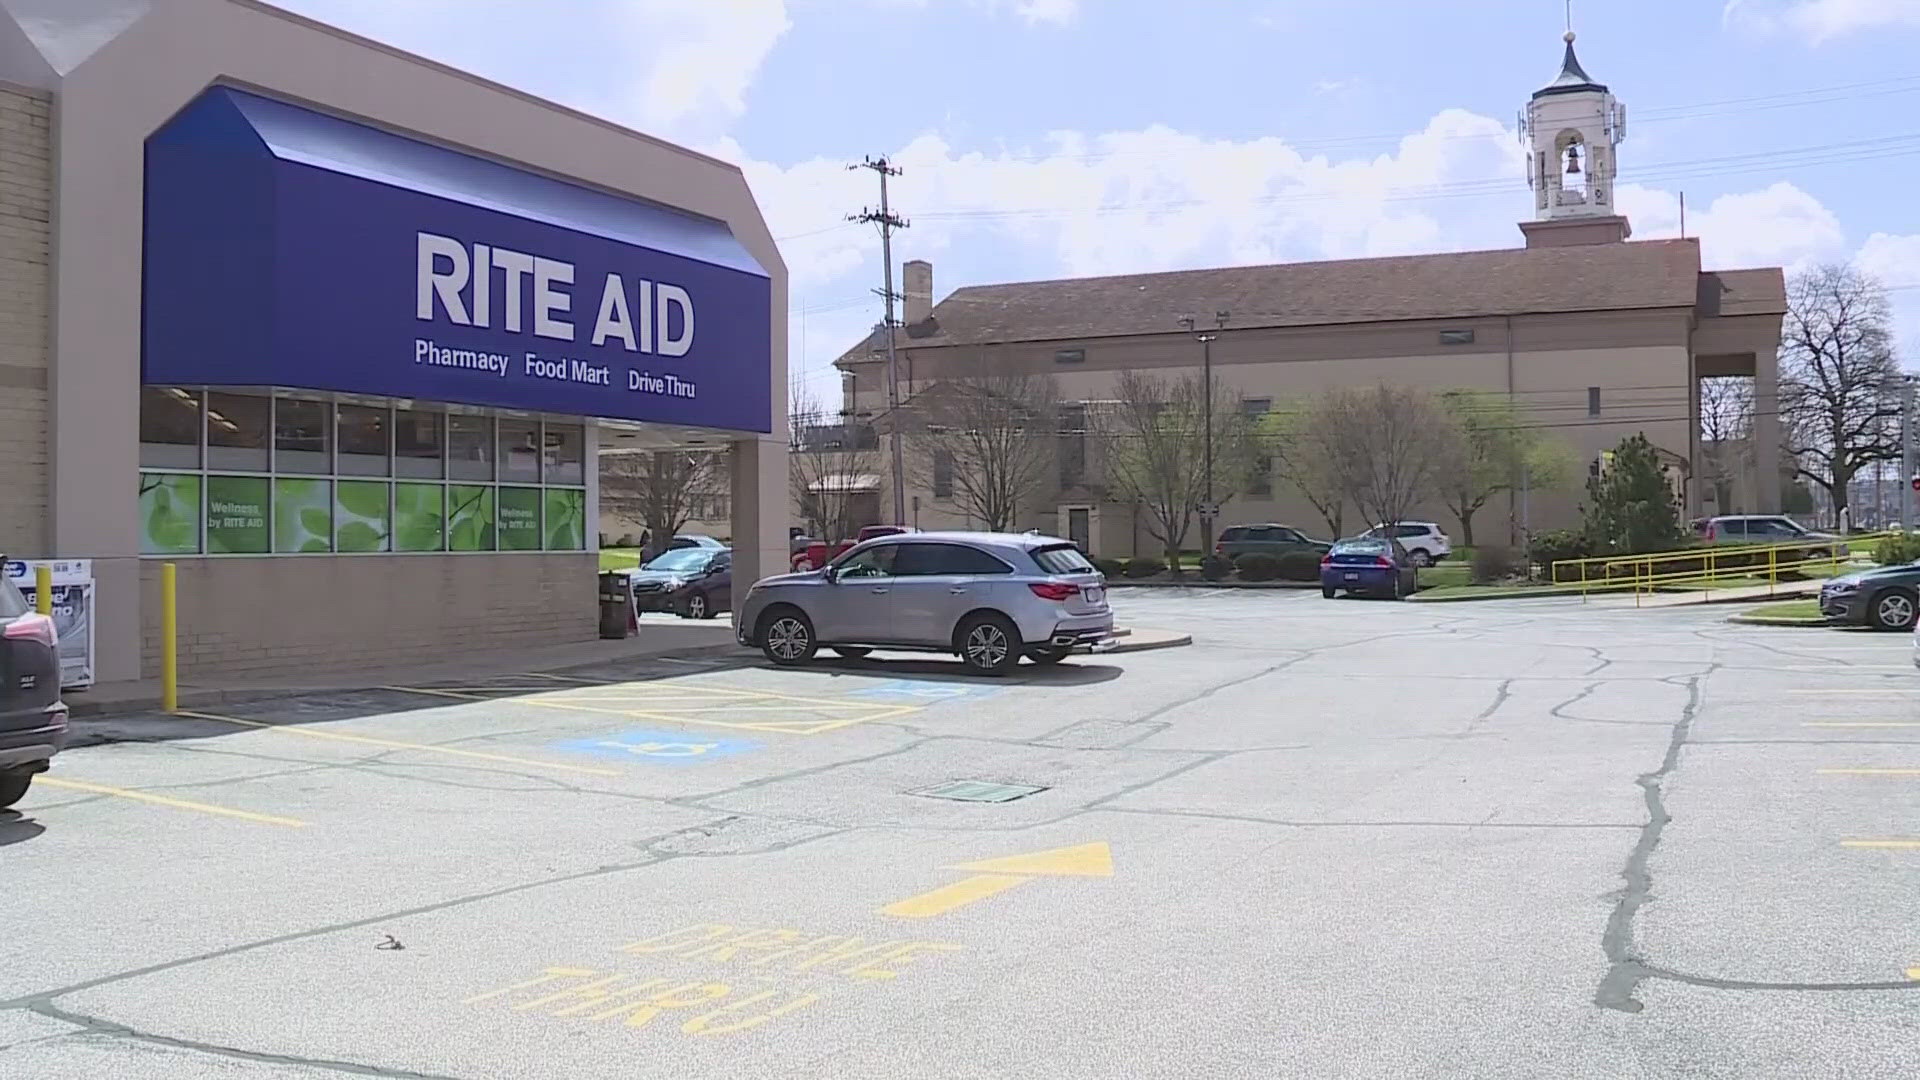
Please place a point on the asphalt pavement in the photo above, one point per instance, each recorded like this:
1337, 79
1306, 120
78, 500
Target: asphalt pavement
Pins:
1330, 838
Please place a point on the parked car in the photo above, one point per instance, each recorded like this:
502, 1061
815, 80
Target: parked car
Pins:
1238, 540
1886, 598
693, 540
692, 582
797, 540
1374, 565
1426, 542
1774, 529
990, 598
819, 553
33, 719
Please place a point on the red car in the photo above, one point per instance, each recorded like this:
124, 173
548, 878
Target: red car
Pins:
819, 553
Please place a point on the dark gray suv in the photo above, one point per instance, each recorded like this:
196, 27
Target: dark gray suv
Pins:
33, 719
990, 598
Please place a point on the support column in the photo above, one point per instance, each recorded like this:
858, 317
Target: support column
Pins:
1766, 433
761, 511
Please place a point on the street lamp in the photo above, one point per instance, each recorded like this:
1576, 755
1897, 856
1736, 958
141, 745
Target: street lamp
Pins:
1206, 339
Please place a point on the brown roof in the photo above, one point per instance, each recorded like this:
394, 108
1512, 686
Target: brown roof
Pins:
1744, 292
1454, 285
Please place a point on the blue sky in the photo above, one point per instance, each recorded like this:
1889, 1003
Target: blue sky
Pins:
1048, 138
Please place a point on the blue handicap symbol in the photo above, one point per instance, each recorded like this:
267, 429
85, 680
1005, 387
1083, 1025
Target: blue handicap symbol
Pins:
658, 747
924, 691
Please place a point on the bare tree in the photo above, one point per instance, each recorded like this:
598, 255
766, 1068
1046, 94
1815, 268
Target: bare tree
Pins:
1295, 459
984, 439
828, 456
1838, 402
1726, 435
1490, 449
1386, 446
657, 489
1153, 442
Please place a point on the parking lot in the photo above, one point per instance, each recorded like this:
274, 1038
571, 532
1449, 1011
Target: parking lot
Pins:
1330, 838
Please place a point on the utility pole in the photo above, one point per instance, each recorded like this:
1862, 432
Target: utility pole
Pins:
1906, 453
1206, 339
888, 221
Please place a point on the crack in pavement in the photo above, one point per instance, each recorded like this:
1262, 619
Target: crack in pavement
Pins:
1625, 972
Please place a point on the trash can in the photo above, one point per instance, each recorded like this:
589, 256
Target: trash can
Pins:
616, 604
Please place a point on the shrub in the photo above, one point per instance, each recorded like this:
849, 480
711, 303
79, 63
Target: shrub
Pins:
1112, 568
1216, 567
1491, 563
1546, 548
1145, 568
1257, 566
1897, 548
1300, 566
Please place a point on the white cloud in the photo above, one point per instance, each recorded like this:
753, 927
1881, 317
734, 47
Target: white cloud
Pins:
703, 56
1780, 225
1895, 260
1820, 21
1059, 12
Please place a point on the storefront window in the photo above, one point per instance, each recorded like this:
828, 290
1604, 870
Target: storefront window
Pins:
364, 441
520, 451
470, 447
233, 473
302, 432
565, 454
169, 427
237, 431
418, 443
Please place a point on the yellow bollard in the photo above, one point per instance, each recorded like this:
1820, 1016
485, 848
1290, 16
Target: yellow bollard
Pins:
43, 589
169, 652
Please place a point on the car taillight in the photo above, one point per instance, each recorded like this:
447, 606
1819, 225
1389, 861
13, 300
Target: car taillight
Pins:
1382, 560
33, 627
1326, 560
1709, 532
1053, 590
1220, 548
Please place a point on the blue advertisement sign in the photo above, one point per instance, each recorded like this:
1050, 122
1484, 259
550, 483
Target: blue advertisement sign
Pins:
286, 247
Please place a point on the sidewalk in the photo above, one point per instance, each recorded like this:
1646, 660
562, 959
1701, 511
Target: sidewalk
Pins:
1785, 590
655, 639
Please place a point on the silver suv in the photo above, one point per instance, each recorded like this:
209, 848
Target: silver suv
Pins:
991, 598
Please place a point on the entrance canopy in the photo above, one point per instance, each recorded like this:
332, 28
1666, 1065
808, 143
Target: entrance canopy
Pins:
288, 247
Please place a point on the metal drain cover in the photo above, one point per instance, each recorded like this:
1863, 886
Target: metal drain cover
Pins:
978, 791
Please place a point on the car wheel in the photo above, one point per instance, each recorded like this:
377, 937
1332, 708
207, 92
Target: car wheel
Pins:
1894, 610
1420, 558
851, 652
1048, 655
1328, 593
988, 644
696, 606
786, 637
13, 787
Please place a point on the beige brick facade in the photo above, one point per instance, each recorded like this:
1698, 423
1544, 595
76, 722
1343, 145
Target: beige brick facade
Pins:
25, 198
273, 616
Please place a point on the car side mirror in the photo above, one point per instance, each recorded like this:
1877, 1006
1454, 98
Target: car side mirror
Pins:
830, 574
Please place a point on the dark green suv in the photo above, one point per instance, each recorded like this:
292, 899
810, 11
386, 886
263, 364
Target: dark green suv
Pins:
1238, 540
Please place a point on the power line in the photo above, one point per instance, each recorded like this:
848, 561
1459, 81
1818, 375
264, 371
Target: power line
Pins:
888, 221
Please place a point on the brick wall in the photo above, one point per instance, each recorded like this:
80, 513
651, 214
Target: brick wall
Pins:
271, 617
25, 198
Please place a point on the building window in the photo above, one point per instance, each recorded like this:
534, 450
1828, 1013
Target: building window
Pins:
1255, 407
419, 443
365, 441
1593, 401
942, 474
564, 460
300, 476
301, 433
520, 450
1456, 337
1069, 356
470, 447
1073, 444
170, 422
237, 427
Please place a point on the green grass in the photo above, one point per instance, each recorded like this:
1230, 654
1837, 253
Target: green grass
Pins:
1484, 592
1792, 609
619, 558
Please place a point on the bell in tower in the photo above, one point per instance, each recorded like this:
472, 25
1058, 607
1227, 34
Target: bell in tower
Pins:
1573, 160
1573, 128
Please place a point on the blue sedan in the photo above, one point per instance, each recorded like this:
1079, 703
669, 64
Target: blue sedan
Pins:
1369, 565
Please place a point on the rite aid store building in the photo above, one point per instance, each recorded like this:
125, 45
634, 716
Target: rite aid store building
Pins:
339, 332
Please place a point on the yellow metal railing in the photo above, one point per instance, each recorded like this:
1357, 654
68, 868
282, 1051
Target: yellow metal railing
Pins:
1709, 565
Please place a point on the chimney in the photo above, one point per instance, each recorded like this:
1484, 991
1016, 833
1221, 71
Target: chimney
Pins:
917, 282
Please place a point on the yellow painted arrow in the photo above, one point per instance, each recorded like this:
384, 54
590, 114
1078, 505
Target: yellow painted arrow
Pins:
998, 875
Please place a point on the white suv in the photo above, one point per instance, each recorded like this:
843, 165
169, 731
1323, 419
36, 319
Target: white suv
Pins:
1424, 540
